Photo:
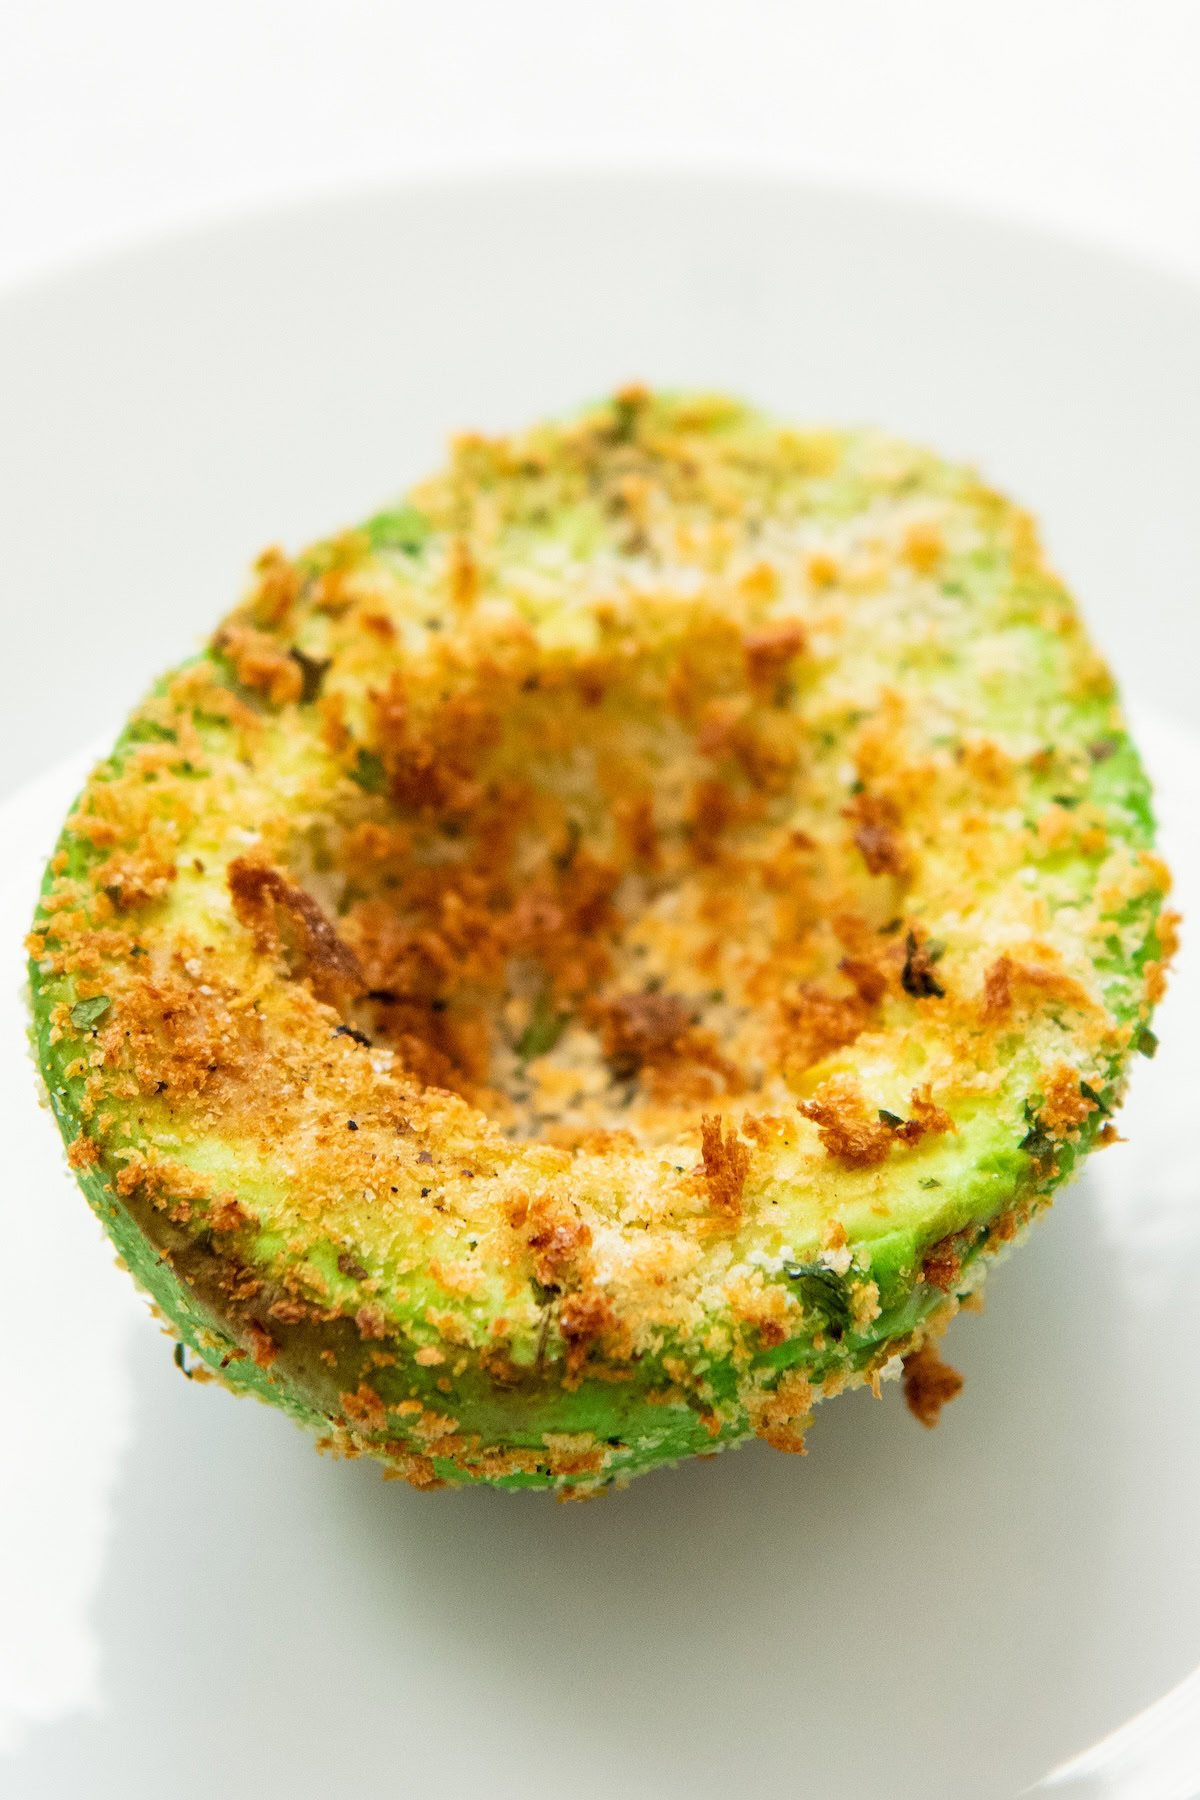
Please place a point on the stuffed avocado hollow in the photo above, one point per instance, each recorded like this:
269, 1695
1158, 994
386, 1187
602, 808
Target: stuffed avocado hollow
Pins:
599, 959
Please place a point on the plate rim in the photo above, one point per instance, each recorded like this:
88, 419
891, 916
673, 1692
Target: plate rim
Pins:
241, 219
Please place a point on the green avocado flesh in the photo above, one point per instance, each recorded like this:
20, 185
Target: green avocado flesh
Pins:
595, 961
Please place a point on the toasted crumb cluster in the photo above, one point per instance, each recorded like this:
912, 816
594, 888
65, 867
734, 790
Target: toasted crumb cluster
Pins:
589, 964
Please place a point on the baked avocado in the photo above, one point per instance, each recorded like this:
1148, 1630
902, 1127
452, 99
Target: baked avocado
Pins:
598, 959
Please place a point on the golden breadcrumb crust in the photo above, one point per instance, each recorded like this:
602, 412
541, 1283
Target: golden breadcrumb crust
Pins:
587, 965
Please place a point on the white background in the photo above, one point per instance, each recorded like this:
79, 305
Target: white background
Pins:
119, 117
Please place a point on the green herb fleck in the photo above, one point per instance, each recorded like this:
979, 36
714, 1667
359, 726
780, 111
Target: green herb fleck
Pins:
890, 1118
566, 856
917, 977
1146, 1041
543, 1030
626, 408
399, 528
1097, 1100
86, 1013
149, 731
1037, 1142
369, 772
822, 1292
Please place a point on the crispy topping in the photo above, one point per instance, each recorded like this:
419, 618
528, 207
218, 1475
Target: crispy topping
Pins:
782, 1415
942, 1265
845, 1124
814, 1023
929, 1384
283, 918
276, 588
870, 981
83, 1152
927, 1120
637, 1029
258, 663
1068, 1101
726, 1163
876, 821
615, 794
1007, 979
770, 650
557, 1236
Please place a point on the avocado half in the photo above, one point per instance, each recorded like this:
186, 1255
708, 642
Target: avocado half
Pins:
597, 960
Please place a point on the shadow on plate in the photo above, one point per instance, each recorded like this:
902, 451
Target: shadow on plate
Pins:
272, 1622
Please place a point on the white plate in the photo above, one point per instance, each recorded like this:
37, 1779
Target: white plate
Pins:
191, 1601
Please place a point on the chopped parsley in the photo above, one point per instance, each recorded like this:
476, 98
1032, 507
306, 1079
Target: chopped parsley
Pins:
822, 1292
400, 528
543, 1031
917, 977
86, 1013
369, 771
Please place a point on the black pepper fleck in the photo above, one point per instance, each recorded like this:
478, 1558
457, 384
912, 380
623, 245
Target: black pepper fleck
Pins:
360, 1037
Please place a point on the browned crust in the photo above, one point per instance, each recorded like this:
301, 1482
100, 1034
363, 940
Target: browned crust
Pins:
283, 917
726, 1162
929, 1385
408, 1137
